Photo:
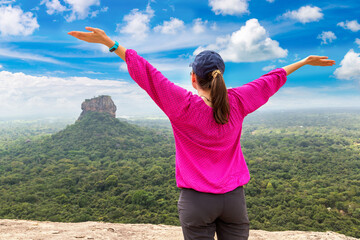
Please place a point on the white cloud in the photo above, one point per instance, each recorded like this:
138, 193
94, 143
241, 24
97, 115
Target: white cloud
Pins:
96, 12
249, 44
6, 1
15, 22
123, 67
157, 42
53, 6
270, 1
351, 25
305, 14
80, 8
357, 41
296, 57
199, 26
26, 56
92, 72
24, 95
229, 7
311, 98
1, 66
170, 27
137, 23
326, 36
349, 67
214, 26
268, 68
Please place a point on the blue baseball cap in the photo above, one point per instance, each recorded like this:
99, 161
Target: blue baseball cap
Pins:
207, 61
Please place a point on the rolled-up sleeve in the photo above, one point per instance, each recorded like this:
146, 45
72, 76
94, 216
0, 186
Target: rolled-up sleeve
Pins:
254, 94
172, 99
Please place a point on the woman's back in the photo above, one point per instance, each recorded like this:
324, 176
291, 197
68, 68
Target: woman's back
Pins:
208, 154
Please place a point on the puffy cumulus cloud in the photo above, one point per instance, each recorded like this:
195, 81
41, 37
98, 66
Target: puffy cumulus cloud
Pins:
199, 26
229, 7
23, 95
305, 14
53, 6
351, 25
170, 27
326, 36
349, 67
80, 8
15, 22
249, 44
268, 68
357, 41
137, 22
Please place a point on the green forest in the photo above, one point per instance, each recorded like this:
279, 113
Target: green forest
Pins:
304, 166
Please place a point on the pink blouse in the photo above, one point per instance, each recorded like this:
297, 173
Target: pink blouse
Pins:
208, 154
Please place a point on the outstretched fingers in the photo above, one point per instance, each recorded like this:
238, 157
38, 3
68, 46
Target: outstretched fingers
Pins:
91, 29
80, 35
320, 61
95, 35
328, 62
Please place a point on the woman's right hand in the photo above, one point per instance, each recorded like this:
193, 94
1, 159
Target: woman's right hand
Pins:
314, 60
95, 36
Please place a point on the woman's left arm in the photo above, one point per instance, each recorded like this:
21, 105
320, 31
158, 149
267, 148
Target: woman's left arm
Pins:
256, 93
312, 60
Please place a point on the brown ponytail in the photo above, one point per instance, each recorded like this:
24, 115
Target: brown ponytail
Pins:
218, 94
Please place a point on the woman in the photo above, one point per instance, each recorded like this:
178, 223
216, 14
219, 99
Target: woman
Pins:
210, 167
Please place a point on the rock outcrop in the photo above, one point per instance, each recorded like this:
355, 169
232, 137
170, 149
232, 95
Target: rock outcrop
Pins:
102, 104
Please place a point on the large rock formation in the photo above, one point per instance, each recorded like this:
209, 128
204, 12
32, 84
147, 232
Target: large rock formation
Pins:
102, 104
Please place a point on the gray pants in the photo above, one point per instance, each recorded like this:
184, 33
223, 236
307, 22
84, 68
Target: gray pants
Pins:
203, 214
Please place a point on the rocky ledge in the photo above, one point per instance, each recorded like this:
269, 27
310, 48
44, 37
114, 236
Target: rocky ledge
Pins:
24, 229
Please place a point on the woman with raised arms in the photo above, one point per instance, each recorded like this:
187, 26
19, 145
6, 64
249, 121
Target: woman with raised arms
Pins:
210, 167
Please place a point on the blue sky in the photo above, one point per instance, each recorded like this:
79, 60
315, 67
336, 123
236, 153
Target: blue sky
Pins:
46, 73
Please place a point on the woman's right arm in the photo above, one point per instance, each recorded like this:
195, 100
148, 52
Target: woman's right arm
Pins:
171, 98
98, 36
310, 60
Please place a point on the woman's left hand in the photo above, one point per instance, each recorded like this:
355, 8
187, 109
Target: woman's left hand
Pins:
95, 36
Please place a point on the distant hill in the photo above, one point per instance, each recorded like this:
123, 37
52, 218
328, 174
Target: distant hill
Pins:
304, 177
99, 168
